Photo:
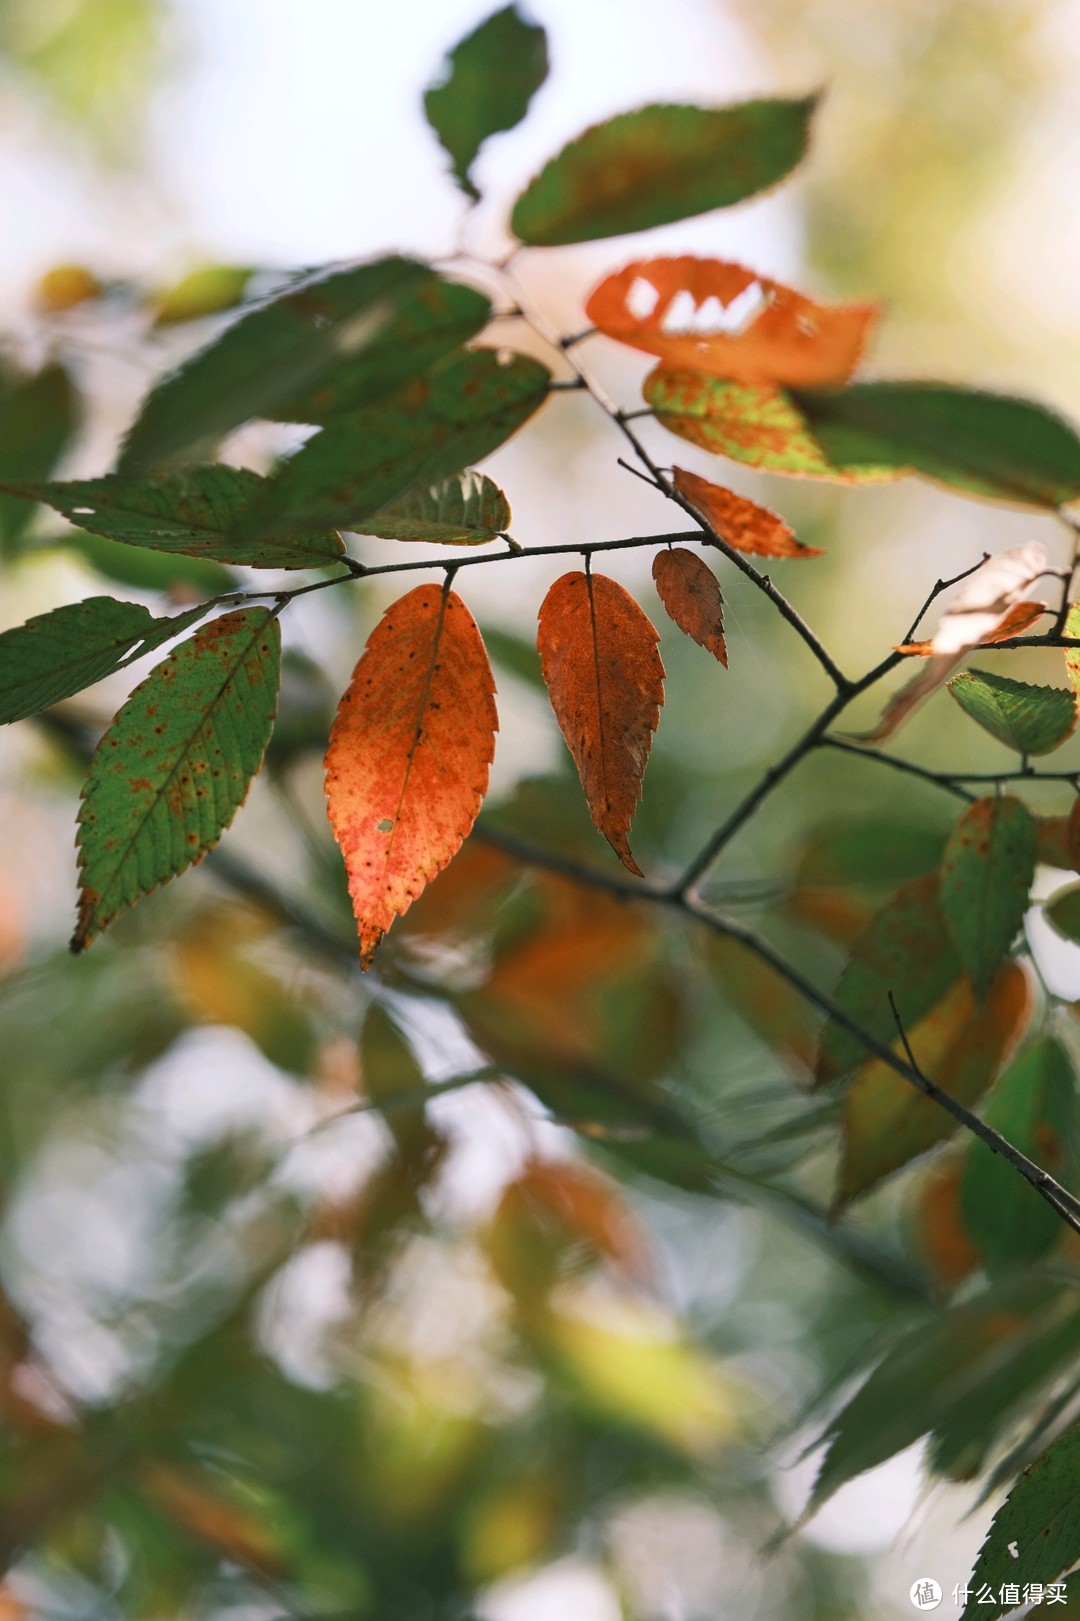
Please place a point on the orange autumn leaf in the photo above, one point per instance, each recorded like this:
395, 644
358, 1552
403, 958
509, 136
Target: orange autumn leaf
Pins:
1020, 617
938, 1222
191, 1502
410, 748
742, 523
690, 592
603, 673
717, 317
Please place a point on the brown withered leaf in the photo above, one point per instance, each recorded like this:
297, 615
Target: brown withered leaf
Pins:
717, 317
690, 592
742, 523
410, 748
598, 652
1019, 618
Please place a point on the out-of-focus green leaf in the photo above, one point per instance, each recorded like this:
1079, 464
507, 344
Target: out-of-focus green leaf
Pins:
1032, 720
149, 570
906, 951
1035, 1535
194, 510
298, 341
390, 1074
1063, 911
491, 77
1033, 1105
659, 164
986, 876
60, 653
465, 510
516, 654
208, 290
753, 423
429, 429
39, 417
983, 444
175, 765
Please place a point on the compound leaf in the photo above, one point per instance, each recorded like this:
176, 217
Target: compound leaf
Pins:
173, 768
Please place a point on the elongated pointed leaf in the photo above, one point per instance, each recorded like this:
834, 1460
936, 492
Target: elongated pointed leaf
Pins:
986, 876
319, 330
742, 523
753, 423
174, 766
982, 444
709, 315
60, 653
690, 592
465, 510
1035, 1535
193, 510
887, 1123
460, 412
659, 164
491, 77
39, 417
1033, 1105
1032, 720
905, 950
606, 684
407, 765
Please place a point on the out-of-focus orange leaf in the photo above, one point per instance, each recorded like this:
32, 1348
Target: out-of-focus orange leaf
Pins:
942, 1238
690, 592
1020, 617
554, 1204
771, 1007
961, 1046
64, 287
605, 679
410, 748
11, 1607
461, 898
742, 523
717, 317
189, 1500
1057, 840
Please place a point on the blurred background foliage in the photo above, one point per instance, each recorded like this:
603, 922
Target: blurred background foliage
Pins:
500, 1285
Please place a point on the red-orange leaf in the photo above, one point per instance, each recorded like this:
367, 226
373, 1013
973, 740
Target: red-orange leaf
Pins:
410, 748
713, 316
742, 523
606, 683
690, 592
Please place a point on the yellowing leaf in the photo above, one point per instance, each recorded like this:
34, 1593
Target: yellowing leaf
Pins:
606, 683
174, 766
690, 592
755, 423
986, 875
887, 1122
407, 765
742, 523
940, 1232
710, 315
1072, 654
552, 1211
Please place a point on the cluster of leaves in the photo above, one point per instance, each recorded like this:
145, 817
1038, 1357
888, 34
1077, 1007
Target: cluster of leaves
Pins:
381, 361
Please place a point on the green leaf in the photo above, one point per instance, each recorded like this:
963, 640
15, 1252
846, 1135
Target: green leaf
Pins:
1031, 720
193, 510
753, 423
57, 654
173, 768
460, 412
1063, 911
1035, 1535
321, 333
983, 444
905, 950
928, 1377
465, 510
491, 77
1034, 1106
394, 1080
147, 570
986, 876
207, 290
39, 417
660, 164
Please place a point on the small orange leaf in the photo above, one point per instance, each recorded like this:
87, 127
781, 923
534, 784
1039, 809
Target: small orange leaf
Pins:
716, 317
606, 684
742, 523
690, 592
944, 1241
410, 747
1020, 617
